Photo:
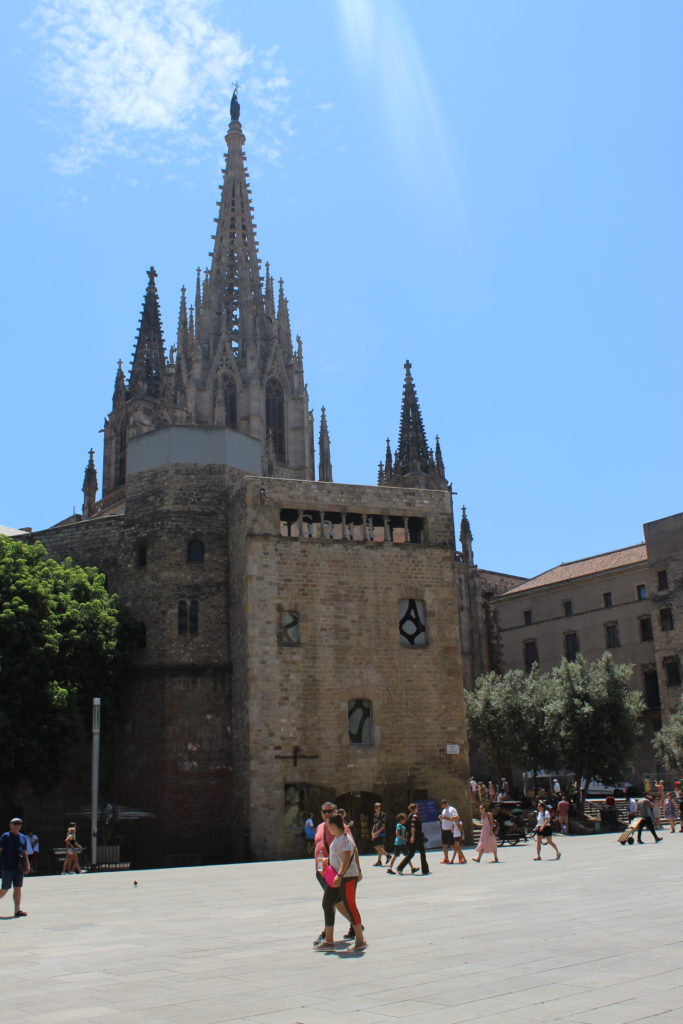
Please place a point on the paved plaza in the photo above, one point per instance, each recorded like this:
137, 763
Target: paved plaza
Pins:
595, 938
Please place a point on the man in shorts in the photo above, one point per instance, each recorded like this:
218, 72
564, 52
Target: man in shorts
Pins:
14, 863
447, 819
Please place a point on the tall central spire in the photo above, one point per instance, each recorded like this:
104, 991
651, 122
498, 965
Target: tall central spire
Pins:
233, 300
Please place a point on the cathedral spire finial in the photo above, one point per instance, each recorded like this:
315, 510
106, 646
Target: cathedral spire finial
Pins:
89, 486
234, 104
466, 538
324, 461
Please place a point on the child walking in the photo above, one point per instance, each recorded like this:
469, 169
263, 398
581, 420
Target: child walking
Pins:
400, 845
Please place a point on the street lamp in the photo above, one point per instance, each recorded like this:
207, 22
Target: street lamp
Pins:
95, 777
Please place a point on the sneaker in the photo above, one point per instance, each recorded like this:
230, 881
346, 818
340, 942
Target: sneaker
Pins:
321, 938
350, 934
377, 864
414, 871
390, 872
359, 945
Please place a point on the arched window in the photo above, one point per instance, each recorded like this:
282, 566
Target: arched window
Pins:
412, 623
182, 618
195, 551
360, 722
194, 618
230, 402
275, 417
141, 555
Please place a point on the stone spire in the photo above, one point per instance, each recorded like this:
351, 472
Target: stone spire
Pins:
269, 295
119, 397
89, 486
183, 337
414, 464
324, 461
232, 289
466, 538
149, 358
284, 330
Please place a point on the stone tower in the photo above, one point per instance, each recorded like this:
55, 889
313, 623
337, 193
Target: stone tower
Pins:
414, 463
234, 363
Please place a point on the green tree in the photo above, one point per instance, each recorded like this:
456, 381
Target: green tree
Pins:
595, 716
63, 640
506, 716
668, 742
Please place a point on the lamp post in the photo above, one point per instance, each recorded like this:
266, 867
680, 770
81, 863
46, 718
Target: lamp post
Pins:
95, 776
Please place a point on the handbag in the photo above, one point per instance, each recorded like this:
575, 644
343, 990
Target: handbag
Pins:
330, 875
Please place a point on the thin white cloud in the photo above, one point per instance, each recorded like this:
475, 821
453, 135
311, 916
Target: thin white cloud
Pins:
145, 77
382, 45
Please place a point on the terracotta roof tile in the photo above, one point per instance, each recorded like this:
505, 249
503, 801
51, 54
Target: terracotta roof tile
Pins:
584, 567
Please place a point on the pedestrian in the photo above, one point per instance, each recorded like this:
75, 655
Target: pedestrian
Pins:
473, 789
487, 839
492, 793
14, 863
323, 839
73, 848
309, 834
670, 811
457, 841
35, 850
447, 819
378, 835
415, 843
341, 878
544, 830
645, 813
400, 843
563, 815
678, 797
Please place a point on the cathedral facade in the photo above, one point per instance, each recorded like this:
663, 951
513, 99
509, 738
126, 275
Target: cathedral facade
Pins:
302, 639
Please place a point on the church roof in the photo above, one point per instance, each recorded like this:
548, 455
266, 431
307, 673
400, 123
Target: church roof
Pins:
567, 571
9, 531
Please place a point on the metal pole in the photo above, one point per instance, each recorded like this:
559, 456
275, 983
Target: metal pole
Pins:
96, 702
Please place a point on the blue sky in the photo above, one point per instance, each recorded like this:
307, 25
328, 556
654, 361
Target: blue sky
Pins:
489, 190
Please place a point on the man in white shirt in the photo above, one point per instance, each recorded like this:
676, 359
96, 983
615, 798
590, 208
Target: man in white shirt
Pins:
448, 819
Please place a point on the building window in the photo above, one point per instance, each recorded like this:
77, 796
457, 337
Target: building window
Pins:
182, 618
141, 555
666, 619
651, 690
527, 618
195, 551
412, 623
530, 654
612, 635
567, 608
360, 722
673, 671
607, 601
641, 592
571, 646
645, 628
193, 624
275, 417
662, 580
288, 629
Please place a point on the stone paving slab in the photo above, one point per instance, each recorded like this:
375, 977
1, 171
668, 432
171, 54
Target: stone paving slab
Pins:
595, 938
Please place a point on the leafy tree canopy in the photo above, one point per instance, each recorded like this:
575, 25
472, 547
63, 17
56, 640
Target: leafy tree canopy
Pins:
581, 716
62, 642
668, 742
